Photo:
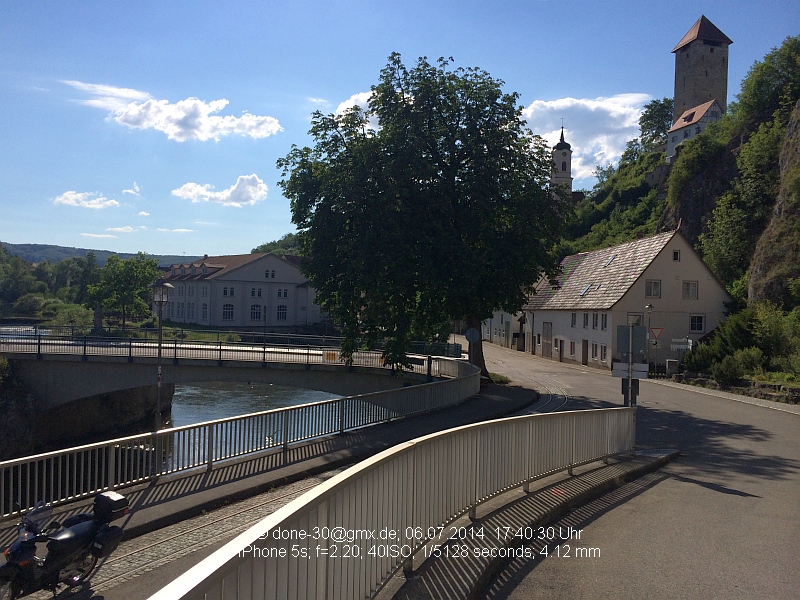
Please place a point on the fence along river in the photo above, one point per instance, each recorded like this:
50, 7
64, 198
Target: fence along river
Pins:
81, 471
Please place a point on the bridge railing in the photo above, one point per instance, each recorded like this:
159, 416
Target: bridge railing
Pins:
347, 537
65, 475
220, 351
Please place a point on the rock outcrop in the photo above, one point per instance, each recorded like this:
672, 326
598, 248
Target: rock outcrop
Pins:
776, 261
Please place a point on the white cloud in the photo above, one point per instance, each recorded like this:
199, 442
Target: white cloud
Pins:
126, 229
98, 235
134, 190
144, 213
361, 99
108, 97
247, 190
190, 119
596, 128
320, 101
164, 230
85, 200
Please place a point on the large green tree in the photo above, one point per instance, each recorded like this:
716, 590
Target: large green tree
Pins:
124, 286
655, 122
430, 205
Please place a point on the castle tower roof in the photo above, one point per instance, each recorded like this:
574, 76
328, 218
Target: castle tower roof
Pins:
703, 30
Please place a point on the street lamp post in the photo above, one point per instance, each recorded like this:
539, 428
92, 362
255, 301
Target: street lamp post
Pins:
160, 297
649, 309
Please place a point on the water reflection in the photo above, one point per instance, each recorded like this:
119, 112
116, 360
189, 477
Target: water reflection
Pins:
198, 402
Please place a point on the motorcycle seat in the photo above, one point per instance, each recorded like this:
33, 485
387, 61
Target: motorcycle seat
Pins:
73, 538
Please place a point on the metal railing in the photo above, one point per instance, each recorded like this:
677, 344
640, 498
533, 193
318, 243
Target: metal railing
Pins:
133, 349
348, 536
64, 475
22, 333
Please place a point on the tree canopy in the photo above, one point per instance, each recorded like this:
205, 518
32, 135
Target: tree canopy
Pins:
655, 122
124, 286
432, 204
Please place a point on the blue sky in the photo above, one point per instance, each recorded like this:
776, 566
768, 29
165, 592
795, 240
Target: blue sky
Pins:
155, 126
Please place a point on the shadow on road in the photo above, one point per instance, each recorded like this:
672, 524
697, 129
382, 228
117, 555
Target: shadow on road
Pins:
516, 570
708, 446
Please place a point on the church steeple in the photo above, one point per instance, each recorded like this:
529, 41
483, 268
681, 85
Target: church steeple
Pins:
562, 164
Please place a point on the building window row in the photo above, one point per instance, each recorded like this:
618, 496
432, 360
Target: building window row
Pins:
226, 290
268, 274
254, 291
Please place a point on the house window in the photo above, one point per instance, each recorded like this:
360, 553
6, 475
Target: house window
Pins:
686, 134
674, 138
594, 351
585, 320
652, 288
538, 339
190, 310
259, 292
205, 291
224, 291
564, 165
282, 312
572, 348
574, 319
690, 290
255, 312
205, 311
252, 292
273, 275
697, 323
604, 322
231, 291
280, 293
227, 312
595, 319
697, 130
603, 353
266, 274
191, 291
676, 255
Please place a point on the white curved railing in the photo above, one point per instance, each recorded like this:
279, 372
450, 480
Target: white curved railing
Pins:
345, 538
65, 475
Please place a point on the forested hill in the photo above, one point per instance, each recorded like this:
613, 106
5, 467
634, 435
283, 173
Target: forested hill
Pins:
735, 189
38, 253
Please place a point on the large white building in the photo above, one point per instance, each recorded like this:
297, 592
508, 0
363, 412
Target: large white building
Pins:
242, 291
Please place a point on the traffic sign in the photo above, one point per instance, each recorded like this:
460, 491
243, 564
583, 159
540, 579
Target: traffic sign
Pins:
620, 369
656, 331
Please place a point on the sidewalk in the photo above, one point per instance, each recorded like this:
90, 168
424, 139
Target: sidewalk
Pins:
175, 498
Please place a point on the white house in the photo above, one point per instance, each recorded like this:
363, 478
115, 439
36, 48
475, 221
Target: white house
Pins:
659, 281
242, 291
692, 123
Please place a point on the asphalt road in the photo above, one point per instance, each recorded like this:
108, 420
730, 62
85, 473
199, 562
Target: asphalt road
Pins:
722, 521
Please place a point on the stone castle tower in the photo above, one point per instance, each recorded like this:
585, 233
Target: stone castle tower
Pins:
701, 67
562, 170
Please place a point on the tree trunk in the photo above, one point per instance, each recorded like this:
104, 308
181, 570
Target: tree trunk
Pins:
476, 348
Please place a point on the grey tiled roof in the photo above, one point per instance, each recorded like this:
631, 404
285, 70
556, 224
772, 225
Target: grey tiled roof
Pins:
599, 279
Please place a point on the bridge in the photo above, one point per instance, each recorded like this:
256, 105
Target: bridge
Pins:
61, 369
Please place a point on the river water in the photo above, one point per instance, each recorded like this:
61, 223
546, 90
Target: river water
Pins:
199, 402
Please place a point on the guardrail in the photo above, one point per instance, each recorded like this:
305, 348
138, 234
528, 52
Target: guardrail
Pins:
65, 475
175, 350
348, 536
171, 334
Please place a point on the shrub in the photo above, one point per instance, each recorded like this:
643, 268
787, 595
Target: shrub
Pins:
700, 358
727, 371
750, 359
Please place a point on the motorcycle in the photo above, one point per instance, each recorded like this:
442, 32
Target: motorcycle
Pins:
72, 553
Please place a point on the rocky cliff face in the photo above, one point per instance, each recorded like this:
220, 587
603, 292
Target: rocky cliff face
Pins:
698, 198
776, 260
